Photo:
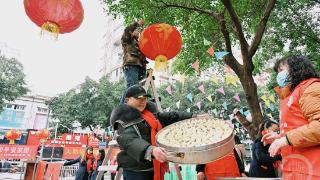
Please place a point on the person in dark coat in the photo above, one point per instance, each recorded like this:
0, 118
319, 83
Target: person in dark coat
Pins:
262, 164
85, 164
98, 162
134, 61
134, 123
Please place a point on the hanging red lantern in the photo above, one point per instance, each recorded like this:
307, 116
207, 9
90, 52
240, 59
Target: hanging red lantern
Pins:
55, 16
160, 42
12, 135
43, 134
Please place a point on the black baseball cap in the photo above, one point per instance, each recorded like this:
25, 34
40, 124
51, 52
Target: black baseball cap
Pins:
136, 91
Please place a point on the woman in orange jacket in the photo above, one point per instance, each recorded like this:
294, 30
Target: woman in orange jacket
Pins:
299, 138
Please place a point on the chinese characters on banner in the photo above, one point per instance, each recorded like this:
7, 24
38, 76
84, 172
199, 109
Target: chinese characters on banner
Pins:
72, 152
17, 151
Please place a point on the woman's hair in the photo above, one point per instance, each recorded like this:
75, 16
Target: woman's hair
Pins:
300, 68
84, 155
266, 125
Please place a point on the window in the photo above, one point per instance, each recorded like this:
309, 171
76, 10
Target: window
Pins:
42, 110
9, 106
19, 107
15, 106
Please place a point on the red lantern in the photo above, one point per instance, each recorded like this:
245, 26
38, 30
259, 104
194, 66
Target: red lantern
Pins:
55, 16
43, 134
160, 42
12, 135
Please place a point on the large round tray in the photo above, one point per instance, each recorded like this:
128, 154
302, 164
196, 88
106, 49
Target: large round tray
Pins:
198, 154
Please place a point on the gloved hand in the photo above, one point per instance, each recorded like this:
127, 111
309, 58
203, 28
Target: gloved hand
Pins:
277, 145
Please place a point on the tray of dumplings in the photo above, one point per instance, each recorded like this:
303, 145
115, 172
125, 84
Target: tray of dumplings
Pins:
196, 140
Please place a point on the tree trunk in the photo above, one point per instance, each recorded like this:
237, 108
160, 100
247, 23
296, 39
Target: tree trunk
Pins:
250, 89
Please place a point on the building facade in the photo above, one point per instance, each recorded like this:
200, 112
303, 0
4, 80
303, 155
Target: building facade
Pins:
112, 59
26, 112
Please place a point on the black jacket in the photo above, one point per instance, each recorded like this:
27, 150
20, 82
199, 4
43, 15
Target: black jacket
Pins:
130, 127
82, 173
262, 163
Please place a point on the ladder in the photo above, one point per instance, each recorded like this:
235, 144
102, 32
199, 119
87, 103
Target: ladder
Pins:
148, 82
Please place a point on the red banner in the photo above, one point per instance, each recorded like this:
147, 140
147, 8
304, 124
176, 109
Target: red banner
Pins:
8, 151
72, 152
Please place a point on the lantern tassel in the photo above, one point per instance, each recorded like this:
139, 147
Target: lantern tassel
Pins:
11, 141
50, 27
161, 63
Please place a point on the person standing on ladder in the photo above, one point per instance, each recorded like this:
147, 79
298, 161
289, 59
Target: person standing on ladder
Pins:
134, 61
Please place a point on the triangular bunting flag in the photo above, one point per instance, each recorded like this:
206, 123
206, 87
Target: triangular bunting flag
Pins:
196, 66
210, 51
264, 98
236, 97
198, 104
220, 55
182, 78
271, 97
267, 103
271, 107
201, 88
209, 98
178, 104
230, 79
215, 112
206, 42
221, 90
189, 97
231, 116
225, 106
168, 109
246, 113
214, 79
270, 115
188, 110
241, 110
169, 90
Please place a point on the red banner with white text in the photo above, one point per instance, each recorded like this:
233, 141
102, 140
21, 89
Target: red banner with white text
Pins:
8, 151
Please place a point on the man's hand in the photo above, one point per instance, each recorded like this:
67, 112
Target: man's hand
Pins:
277, 145
141, 22
159, 154
200, 176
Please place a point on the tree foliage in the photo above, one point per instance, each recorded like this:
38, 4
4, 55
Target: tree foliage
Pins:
90, 104
262, 30
12, 80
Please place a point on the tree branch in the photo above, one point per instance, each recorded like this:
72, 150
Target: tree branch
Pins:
261, 28
196, 9
234, 17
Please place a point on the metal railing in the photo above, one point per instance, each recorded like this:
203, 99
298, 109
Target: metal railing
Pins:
69, 171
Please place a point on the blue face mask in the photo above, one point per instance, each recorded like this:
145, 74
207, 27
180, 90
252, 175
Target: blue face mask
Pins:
282, 78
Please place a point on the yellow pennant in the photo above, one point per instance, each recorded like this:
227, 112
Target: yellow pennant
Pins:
264, 98
214, 79
267, 103
271, 97
209, 98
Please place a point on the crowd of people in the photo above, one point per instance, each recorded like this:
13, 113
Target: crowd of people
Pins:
286, 149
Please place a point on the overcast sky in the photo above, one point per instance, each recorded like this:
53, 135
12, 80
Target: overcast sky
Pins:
53, 66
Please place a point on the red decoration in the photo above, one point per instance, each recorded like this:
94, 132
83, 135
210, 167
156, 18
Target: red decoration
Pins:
160, 42
12, 135
55, 16
43, 134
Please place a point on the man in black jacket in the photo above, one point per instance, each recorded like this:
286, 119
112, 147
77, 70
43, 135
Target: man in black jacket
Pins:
135, 134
